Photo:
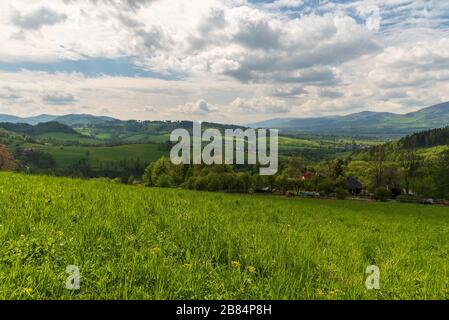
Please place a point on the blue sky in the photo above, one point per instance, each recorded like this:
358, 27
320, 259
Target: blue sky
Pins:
222, 60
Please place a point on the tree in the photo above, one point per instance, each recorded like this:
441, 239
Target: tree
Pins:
174, 174
281, 182
295, 168
441, 175
297, 184
338, 169
341, 193
382, 194
164, 181
245, 179
326, 186
379, 155
214, 182
410, 162
361, 170
148, 176
7, 162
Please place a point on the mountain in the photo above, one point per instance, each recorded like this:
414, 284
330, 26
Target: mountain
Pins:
38, 129
70, 120
10, 119
41, 118
83, 119
366, 122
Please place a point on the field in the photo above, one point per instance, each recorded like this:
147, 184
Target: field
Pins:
143, 243
69, 155
63, 137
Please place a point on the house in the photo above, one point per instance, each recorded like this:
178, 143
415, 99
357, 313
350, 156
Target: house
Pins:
354, 186
308, 176
262, 190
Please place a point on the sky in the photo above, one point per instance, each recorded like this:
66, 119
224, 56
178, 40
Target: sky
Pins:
229, 61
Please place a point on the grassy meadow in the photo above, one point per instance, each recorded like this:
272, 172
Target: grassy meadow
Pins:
66, 156
145, 243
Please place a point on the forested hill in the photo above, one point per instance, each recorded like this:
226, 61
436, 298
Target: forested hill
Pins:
430, 144
41, 128
367, 122
426, 139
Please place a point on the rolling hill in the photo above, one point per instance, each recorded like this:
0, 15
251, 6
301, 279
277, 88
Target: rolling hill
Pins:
366, 122
36, 130
71, 119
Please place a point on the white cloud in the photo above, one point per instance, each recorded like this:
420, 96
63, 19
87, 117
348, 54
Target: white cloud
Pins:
58, 98
200, 108
237, 60
37, 19
265, 105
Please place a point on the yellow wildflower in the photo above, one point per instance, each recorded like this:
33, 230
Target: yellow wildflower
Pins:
27, 290
235, 264
251, 269
156, 250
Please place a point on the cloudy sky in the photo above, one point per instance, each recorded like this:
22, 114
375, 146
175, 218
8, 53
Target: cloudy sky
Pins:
222, 60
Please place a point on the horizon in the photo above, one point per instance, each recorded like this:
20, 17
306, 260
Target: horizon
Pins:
231, 123
233, 61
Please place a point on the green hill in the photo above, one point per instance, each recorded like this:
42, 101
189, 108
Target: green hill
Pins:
70, 119
144, 243
39, 129
366, 123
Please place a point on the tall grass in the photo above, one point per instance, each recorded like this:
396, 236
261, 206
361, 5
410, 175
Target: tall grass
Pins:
140, 243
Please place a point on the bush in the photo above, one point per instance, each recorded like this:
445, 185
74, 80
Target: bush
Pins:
406, 198
164, 181
326, 186
382, 194
201, 183
341, 193
190, 183
214, 182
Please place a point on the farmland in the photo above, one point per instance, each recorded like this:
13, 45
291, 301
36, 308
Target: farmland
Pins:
149, 243
69, 155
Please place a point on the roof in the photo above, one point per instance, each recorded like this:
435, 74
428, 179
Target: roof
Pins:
308, 176
353, 183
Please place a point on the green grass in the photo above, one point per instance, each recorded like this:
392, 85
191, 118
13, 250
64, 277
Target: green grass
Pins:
66, 156
142, 243
145, 152
103, 136
432, 152
60, 136
297, 143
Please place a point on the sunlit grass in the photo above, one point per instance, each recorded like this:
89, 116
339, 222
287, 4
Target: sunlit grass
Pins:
141, 243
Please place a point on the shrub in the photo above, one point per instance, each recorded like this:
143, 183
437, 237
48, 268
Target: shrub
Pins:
190, 183
201, 183
382, 194
164, 181
214, 182
406, 198
326, 186
341, 193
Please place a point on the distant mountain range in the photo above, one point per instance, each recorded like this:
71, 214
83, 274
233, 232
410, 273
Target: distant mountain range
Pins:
366, 122
362, 123
70, 119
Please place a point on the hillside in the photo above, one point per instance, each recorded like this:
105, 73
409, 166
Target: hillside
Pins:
380, 123
426, 139
71, 119
145, 243
39, 129
428, 144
